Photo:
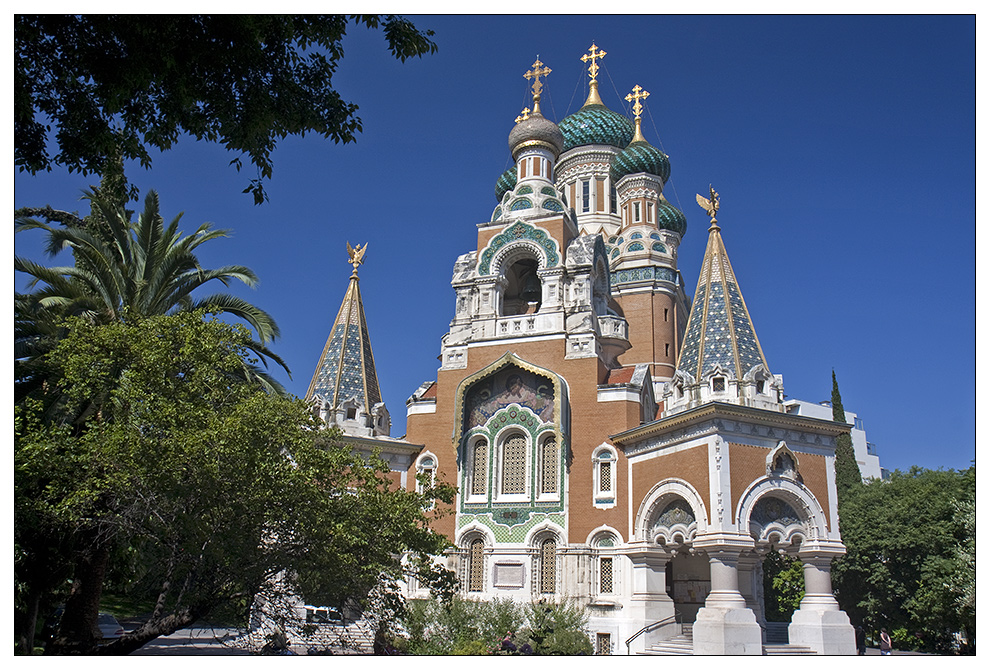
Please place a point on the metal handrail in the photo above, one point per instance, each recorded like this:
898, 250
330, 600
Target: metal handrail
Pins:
650, 626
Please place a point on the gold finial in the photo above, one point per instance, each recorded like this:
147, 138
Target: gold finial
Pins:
637, 95
524, 115
356, 255
594, 53
539, 70
710, 206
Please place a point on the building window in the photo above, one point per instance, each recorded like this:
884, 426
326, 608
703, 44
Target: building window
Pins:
548, 566
479, 471
476, 566
603, 644
549, 457
585, 196
351, 412
605, 476
718, 384
666, 349
613, 199
514, 465
604, 461
605, 575
666, 312
649, 212
759, 385
637, 214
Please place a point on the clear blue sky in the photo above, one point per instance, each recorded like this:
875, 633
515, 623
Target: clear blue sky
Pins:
843, 149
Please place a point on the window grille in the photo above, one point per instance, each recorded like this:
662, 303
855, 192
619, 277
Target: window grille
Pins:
549, 484
605, 574
605, 476
718, 384
479, 478
548, 567
476, 566
603, 644
514, 465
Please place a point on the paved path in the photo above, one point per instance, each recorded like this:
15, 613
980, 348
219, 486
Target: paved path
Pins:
192, 642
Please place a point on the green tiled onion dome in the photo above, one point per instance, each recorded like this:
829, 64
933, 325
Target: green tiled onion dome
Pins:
596, 124
640, 157
671, 218
506, 182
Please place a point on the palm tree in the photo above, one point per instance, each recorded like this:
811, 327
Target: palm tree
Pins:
125, 270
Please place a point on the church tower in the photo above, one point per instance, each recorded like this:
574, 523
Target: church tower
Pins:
610, 442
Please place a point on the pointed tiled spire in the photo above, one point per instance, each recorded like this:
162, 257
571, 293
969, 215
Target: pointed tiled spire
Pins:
719, 331
347, 366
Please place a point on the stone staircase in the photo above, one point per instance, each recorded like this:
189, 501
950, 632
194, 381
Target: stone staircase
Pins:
679, 645
683, 645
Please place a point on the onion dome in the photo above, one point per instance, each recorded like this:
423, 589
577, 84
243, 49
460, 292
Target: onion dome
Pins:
670, 218
596, 124
640, 156
506, 182
536, 130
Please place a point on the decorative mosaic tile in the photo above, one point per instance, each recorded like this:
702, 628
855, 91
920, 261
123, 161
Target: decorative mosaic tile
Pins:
524, 190
520, 203
516, 231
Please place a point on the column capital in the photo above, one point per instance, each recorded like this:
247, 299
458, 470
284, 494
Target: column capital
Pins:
727, 543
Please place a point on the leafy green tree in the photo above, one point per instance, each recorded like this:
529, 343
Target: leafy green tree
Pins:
122, 270
213, 486
783, 586
847, 474
902, 570
129, 83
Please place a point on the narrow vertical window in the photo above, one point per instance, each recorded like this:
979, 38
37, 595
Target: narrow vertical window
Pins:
585, 196
666, 349
613, 199
605, 574
522, 168
548, 567
549, 471
603, 644
605, 476
537, 165
476, 566
637, 214
514, 465
599, 195
665, 311
479, 473
649, 212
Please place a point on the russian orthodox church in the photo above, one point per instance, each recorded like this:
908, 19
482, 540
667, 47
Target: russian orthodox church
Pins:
612, 441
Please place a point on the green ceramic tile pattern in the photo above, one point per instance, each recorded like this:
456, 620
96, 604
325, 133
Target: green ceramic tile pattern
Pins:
517, 231
670, 218
596, 124
640, 157
514, 533
506, 182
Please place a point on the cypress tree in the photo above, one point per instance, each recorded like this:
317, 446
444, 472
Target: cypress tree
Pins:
847, 474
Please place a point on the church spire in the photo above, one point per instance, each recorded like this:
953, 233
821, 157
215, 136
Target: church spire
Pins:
721, 357
346, 371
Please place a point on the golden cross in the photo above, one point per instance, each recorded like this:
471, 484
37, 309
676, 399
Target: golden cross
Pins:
524, 115
539, 70
637, 95
594, 53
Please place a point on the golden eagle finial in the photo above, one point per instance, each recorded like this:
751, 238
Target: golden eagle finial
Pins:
356, 255
709, 205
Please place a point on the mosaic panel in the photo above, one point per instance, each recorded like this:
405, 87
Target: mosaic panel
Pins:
548, 190
552, 206
515, 533
774, 510
717, 343
642, 274
656, 246
692, 338
520, 203
635, 246
677, 512
497, 214
636, 236
524, 190
517, 231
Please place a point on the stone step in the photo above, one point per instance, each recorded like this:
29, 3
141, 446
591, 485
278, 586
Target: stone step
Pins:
788, 650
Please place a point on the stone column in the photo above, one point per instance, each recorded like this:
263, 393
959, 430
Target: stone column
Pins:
726, 625
819, 623
751, 585
648, 602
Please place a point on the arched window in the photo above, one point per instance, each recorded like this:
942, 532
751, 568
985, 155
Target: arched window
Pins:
514, 465
524, 288
426, 471
479, 469
549, 459
476, 566
604, 463
548, 566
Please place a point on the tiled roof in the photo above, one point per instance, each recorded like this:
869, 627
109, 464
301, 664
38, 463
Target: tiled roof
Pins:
621, 375
347, 366
720, 331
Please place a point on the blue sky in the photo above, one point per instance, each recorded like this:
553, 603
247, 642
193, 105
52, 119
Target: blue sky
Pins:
843, 148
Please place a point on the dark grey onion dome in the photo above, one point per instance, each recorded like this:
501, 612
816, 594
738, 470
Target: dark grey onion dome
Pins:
640, 157
596, 124
506, 182
539, 131
670, 218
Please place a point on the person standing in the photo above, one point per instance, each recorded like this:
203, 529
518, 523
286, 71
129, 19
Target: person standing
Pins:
884, 642
860, 641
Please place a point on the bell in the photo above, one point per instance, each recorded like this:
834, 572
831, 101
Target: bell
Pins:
532, 289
